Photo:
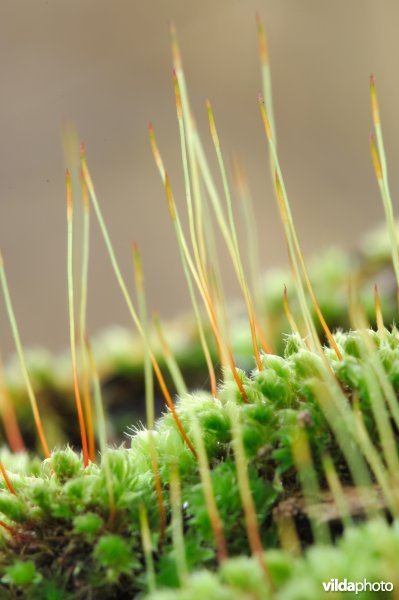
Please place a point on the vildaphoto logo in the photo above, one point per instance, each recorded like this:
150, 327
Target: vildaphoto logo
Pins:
336, 585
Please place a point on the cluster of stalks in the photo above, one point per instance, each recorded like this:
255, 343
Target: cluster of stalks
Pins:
373, 472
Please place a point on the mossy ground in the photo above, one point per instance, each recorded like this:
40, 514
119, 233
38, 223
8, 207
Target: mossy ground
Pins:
66, 543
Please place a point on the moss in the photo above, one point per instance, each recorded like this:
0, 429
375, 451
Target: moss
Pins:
12, 507
288, 459
359, 552
113, 554
88, 524
21, 574
74, 503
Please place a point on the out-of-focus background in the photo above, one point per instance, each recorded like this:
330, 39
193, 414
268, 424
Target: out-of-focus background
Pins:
106, 67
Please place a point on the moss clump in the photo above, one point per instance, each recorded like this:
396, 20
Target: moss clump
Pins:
114, 555
363, 552
22, 574
119, 353
88, 524
81, 538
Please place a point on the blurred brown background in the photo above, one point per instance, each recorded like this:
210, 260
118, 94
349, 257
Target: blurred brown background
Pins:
105, 65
